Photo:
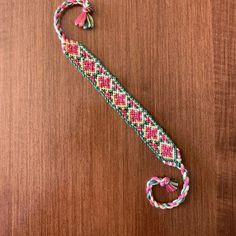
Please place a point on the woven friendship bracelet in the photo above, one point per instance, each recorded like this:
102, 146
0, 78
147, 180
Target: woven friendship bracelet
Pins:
126, 106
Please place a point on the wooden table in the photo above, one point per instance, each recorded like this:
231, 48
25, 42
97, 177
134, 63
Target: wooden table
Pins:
70, 166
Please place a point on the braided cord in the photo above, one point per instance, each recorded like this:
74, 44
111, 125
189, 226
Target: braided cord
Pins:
59, 11
162, 181
129, 109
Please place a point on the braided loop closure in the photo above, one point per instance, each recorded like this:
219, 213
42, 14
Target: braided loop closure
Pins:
129, 109
84, 20
170, 187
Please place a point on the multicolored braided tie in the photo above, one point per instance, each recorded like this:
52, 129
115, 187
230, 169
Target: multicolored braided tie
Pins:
126, 106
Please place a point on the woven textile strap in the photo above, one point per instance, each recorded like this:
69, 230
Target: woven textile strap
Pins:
126, 105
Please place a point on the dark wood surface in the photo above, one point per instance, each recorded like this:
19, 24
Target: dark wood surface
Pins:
70, 166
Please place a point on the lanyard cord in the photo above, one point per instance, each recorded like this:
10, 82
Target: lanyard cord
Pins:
120, 100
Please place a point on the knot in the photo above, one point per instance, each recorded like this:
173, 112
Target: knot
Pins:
170, 186
85, 20
87, 7
165, 181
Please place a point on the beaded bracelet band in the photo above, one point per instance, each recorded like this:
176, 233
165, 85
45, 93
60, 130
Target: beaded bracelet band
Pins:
126, 106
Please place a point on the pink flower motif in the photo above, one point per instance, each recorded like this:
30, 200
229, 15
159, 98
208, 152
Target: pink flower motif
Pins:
89, 66
151, 133
135, 116
120, 99
72, 49
104, 82
166, 150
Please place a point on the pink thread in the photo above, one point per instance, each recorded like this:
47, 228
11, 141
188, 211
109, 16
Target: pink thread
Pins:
80, 20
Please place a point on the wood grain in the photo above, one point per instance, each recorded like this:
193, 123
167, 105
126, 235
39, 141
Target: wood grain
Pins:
68, 163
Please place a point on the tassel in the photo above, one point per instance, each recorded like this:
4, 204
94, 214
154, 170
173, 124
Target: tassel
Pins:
85, 20
80, 20
171, 186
